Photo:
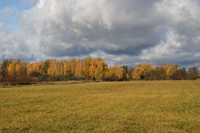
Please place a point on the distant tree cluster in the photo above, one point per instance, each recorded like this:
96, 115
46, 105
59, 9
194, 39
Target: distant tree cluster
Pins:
59, 70
88, 68
164, 72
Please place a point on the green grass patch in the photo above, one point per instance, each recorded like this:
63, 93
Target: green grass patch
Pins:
136, 106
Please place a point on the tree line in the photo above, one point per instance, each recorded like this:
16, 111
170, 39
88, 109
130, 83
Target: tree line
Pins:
90, 68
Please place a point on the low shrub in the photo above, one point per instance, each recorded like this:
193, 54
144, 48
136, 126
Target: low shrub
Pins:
93, 79
44, 77
35, 74
73, 77
20, 83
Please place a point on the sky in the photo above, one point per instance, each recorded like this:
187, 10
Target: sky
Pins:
122, 32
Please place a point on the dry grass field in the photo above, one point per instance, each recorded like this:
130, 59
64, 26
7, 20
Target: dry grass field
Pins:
136, 106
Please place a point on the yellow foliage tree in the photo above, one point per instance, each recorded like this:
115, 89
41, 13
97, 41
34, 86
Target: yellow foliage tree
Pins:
59, 67
78, 69
174, 67
101, 70
72, 64
24, 70
119, 72
11, 69
37, 67
85, 68
52, 68
65, 68
18, 69
147, 67
92, 68
169, 71
127, 75
116, 72
138, 72
29, 68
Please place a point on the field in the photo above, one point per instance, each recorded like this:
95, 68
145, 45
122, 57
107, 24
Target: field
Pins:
135, 106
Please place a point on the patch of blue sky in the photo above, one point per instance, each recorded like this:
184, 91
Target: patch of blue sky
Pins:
12, 23
9, 11
19, 4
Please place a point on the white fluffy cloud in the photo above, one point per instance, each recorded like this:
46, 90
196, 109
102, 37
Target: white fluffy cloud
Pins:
125, 32
13, 44
81, 27
181, 43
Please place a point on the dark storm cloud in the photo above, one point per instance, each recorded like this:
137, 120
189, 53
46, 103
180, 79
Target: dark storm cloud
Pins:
73, 50
116, 27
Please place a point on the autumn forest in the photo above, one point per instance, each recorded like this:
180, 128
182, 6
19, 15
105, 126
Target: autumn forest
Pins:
89, 68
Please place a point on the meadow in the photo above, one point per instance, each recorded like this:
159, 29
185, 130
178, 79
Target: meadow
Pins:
134, 106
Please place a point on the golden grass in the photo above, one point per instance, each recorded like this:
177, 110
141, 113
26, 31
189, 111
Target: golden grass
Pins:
137, 106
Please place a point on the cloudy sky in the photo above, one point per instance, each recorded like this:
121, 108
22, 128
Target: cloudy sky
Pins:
119, 31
